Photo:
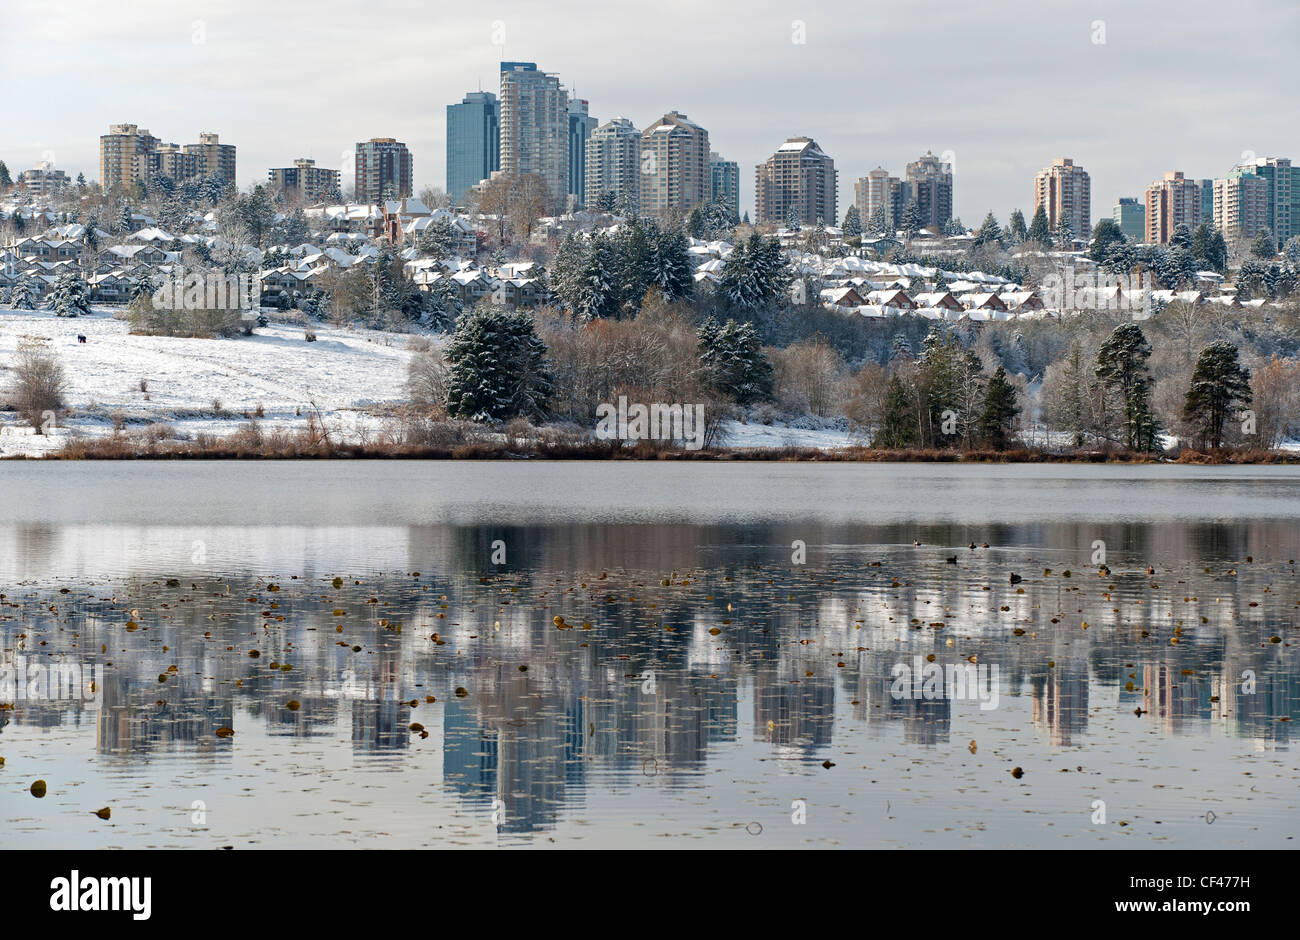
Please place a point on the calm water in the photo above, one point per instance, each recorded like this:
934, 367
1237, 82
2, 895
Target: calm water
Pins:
752, 655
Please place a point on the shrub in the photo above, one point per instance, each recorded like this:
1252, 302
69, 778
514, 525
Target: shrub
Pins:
39, 383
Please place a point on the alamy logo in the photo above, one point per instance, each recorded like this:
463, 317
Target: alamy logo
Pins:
50, 681
655, 422
75, 893
930, 681
205, 290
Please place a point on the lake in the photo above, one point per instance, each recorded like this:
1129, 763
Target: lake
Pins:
563, 654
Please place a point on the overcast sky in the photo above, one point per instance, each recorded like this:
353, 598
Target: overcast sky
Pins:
1003, 87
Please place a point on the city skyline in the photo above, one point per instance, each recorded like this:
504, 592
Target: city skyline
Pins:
997, 129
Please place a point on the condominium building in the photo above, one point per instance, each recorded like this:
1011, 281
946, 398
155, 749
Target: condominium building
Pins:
535, 127
1241, 203
173, 161
1130, 215
725, 183
383, 170
581, 125
1283, 199
309, 182
125, 156
675, 173
1065, 193
1171, 201
929, 185
42, 180
799, 180
614, 162
213, 158
878, 189
473, 142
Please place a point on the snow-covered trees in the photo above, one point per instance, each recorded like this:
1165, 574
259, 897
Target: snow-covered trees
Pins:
733, 361
70, 296
438, 240
607, 275
710, 221
497, 367
852, 223
1122, 368
1017, 228
1219, 382
26, 293
1104, 234
989, 233
911, 222
755, 276
1039, 232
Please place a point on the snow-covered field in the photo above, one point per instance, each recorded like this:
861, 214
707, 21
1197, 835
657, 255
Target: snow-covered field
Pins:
207, 385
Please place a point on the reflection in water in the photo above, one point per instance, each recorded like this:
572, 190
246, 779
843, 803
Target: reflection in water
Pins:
678, 650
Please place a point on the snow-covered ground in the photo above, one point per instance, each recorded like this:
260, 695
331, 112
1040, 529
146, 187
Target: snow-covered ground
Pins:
207, 385
752, 434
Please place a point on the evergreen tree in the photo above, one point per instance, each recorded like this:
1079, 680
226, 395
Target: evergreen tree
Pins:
998, 415
755, 276
852, 223
1219, 381
1181, 237
70, 296
81, 181
1038, 231
733, 362
911, 223
1105, 234
5, 179
124, 220
898, 424
989, 232
497, 367
792, 220
1263, 246
1017, 226
954, 227
1122, 368
900, 348
879, 223
26, 293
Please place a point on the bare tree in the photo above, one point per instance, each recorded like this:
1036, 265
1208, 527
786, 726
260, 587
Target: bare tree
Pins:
38, 385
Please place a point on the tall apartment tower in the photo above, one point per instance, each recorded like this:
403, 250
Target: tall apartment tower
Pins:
799, 179
311, 183
876, 189
383, 170
724, 186
535, 127
1171, 201
1283, 209
213, 157
929, 185
1065, 193
674, 165
175, 161
1131, 216
614, 162
1241, 203
473, 142
126, 156
581, 124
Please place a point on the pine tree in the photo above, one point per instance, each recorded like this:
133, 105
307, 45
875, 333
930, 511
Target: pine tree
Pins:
878, 223
1122, 367
733, 361
852, 223
792, 220
900, 348
989, 232
1038, 231
911, 222
5, 179
754, 276
1218, 382
26, 293
1104, 234
998, 415
1263, 246
898, 424
497, 367
70, 296
1017, 227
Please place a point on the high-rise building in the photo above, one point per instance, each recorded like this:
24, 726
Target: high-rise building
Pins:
174, 161
473, 142
1130, 215
1171, 201
879, 189
1283, 209
1206, 188
213, 158
674, 165
929, 185
614, 162
535, 128
42, 180
311, 183
1065, 193
125, 156
581, 125
1241, 202
798, 180
383, 170
725, 185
